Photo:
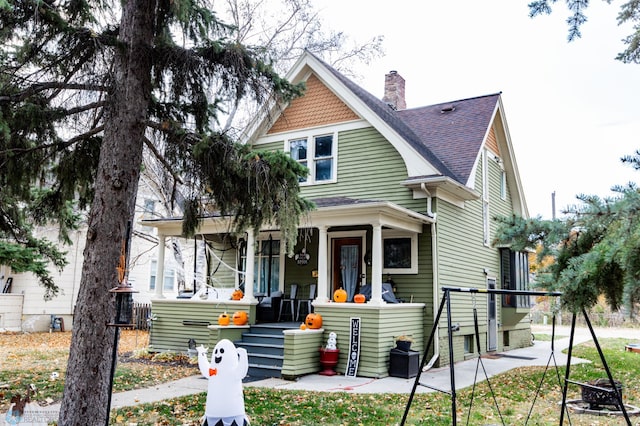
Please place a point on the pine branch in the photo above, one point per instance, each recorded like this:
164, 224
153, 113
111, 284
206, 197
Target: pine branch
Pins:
41, 87
158, 155
58, 144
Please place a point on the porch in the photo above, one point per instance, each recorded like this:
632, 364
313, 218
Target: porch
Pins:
293, 352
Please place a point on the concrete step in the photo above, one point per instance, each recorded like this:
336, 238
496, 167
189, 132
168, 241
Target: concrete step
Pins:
257, 370
263, 339
261, 348
266, 359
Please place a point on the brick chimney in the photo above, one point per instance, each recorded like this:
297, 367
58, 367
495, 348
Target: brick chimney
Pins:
394, 91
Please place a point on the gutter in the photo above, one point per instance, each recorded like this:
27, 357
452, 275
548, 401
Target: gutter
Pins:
434, 260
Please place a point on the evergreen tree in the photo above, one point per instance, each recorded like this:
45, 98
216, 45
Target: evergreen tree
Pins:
596, 248
85, 87
629, 13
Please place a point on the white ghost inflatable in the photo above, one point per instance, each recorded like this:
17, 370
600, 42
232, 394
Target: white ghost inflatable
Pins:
225, 400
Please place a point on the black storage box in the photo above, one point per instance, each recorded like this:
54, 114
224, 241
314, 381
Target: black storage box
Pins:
404, 364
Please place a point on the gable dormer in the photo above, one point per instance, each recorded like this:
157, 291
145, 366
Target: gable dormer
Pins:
318, 107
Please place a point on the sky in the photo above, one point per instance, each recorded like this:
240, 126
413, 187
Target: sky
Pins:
571, 108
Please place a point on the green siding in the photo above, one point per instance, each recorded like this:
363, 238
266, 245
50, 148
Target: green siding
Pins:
301, 352
462, 258
379, 327
177, 321
368, 168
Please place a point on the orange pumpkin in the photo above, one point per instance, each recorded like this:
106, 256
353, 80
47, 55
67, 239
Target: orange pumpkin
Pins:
340, 295
359, 298
303, 326
224, 319
237, 294
313, 321
240, 318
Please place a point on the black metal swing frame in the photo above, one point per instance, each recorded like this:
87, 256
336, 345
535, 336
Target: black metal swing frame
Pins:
446, 300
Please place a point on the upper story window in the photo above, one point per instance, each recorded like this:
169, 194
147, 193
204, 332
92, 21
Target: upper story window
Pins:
149, 208
503, 185
318, 154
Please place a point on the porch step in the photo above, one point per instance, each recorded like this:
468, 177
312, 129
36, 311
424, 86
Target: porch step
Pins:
263, 339
261, 348
263, 371
266, 360
265, 348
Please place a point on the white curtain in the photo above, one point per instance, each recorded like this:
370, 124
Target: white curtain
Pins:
349, 259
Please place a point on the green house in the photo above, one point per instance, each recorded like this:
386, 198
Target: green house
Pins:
404, 200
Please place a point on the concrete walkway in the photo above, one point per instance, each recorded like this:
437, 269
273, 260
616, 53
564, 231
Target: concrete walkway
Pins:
538, 354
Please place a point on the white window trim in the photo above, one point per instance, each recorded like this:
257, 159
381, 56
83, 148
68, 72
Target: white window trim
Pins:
414, 252
311, 157
503, 184
486, 230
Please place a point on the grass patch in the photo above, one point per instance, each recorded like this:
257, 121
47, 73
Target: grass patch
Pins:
545, 337
514, 392
40, 359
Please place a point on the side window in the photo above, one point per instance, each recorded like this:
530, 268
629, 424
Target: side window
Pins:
503, 185
149, 208
400, 253
169, 277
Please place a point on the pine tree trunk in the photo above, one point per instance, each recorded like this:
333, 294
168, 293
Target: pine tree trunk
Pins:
87, 382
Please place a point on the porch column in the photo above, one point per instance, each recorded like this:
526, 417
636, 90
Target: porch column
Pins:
376, 266
323, 272
160, 267
250, 262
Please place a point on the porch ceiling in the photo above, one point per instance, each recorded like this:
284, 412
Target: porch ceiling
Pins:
337, 212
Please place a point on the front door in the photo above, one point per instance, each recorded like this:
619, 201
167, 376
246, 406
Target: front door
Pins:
347, 265
492, 326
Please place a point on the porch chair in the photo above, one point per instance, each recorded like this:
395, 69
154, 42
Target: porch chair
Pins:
290, 302
307, 302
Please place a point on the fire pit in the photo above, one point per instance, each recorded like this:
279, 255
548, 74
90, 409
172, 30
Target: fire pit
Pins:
598, 393
633, 347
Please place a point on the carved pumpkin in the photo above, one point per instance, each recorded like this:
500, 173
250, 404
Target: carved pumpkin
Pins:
340, 295
313, 321
359, 298
224, 319
237, 294
240, 318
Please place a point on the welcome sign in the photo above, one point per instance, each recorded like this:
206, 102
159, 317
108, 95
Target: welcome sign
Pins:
354, 348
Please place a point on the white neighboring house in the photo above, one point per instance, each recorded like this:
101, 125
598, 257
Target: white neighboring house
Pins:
25, 309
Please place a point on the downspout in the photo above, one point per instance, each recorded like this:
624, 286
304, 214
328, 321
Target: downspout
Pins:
434, 267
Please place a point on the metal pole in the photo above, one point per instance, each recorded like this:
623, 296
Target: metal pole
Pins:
114, 359
606, 367
424, 361
566, 373
452, 375
499, 291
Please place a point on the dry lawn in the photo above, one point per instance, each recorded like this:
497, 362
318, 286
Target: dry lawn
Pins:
41, 359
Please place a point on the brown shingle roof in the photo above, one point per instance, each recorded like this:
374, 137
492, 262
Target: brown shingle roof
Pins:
453, 131
450, 140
